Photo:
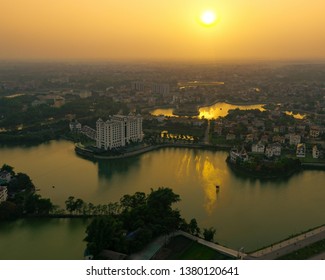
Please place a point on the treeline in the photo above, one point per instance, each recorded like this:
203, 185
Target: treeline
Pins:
22, 199
136, 221
129, 225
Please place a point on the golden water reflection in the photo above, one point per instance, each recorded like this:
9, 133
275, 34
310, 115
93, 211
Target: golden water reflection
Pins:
296, 116
208, 174
221, 109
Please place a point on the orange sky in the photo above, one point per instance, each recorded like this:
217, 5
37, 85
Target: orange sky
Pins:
161, 30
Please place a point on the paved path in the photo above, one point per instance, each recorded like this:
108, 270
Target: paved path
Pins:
288, 246
219, 248
151, 249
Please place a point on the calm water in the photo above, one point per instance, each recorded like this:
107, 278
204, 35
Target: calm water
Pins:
245, 212
219, 109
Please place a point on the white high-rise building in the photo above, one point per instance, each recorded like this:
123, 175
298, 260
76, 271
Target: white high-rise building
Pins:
118, 131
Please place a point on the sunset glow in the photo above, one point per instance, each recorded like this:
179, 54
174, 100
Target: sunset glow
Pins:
208, 18
161, 30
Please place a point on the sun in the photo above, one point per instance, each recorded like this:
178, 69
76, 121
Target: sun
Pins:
208, 17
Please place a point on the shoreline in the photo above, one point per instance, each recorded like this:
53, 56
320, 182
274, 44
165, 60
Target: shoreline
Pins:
83, 151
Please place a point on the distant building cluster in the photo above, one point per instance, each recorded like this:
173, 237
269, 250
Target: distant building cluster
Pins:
118, 131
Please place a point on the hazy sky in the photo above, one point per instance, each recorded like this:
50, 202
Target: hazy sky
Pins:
161, 29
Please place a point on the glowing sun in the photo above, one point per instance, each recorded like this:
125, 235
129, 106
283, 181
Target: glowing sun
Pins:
208, 17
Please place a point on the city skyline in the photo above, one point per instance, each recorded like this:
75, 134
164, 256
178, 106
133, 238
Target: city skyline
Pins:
149, 30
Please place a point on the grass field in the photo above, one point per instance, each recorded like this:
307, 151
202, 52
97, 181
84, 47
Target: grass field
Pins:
182, 248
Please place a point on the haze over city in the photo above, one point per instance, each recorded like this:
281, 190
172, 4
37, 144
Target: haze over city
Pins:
162, 30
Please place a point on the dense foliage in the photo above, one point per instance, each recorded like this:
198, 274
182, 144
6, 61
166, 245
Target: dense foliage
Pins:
22, 198
141, 218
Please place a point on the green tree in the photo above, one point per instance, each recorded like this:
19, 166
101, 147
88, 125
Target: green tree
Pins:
193, 227
8, 168
70, 204
105, 232
208, 233
78, 205
9, 211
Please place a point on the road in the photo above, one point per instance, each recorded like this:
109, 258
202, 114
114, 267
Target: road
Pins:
288, 246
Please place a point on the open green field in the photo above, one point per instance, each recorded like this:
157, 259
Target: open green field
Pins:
182, 248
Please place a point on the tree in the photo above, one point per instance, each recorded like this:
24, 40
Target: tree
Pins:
193, 227
21, 182
78, 205
8, 211
70, 204
162, 199
105, 232
8, 168
35, 204
209, 233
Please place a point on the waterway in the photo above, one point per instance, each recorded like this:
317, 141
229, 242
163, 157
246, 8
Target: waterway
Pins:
245, 212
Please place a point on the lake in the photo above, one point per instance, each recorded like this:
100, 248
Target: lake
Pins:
245, 212
219, 109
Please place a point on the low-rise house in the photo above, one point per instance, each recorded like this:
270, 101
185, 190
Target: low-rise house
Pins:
236, 156
75, 126
3, 193
316, 152
279, 139
273, 150
314, 132
269, 151
258, 148
301, 150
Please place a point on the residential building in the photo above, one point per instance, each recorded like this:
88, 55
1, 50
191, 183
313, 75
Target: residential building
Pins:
75, 126
273, 150
294, 139
258, 148
235, 155
118, 131
278, 138
89, 132
301, 150
3, 193
314, 132
316, 152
